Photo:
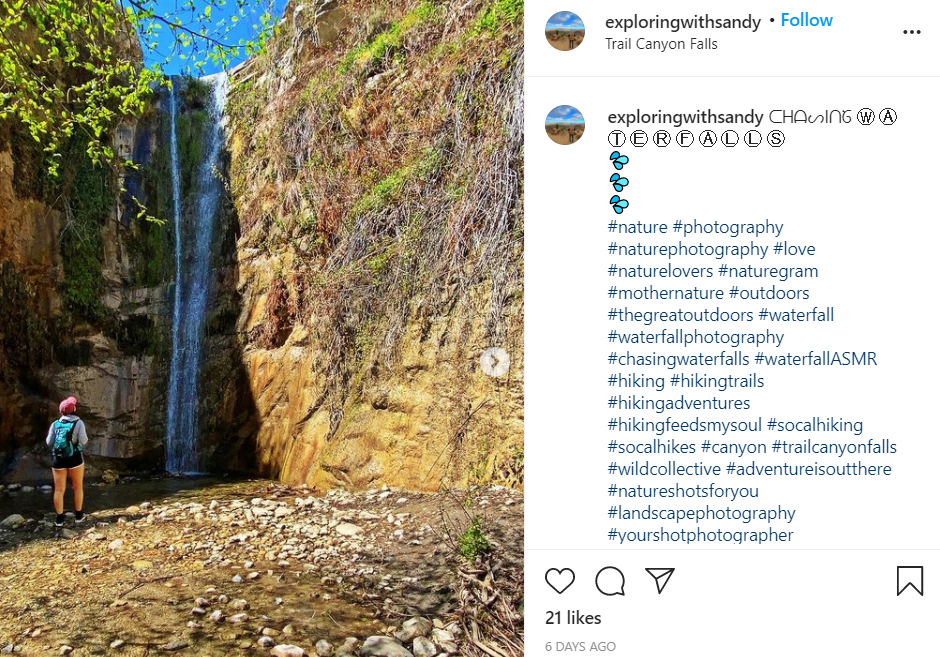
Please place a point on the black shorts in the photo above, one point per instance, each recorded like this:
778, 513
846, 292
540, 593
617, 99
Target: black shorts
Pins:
68, 462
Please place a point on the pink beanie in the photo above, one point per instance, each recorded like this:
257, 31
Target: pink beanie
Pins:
68, 405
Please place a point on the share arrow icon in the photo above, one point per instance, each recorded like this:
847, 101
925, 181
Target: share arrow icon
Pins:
661, 575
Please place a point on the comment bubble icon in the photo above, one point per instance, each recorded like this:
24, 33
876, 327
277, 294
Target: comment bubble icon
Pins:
610, 581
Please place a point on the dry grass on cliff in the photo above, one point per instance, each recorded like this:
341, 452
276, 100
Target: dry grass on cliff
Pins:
385, 169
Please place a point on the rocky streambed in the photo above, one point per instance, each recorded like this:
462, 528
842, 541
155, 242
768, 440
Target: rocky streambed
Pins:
214, 567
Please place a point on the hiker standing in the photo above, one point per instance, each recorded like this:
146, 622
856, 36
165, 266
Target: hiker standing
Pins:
571, 135
65, 438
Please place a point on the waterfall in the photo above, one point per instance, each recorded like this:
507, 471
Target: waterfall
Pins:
194, 237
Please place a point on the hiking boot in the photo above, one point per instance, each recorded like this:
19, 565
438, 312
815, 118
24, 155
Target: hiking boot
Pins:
60, 521
79, 517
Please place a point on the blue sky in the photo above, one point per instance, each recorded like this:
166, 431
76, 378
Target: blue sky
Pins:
565, 20
242, 30
564, 114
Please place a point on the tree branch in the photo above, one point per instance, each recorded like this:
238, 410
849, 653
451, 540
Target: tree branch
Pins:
182, 28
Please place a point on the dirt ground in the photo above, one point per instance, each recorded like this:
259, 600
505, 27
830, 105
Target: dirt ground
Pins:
561, 137
563, 42
151, 567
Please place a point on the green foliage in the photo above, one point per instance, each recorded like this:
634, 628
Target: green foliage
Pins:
245, 101
389, 41
71, 68
473, 542
378, 263
190, 134
90, 196
502, 14
139, 335
389, 188
195, 93
150, 250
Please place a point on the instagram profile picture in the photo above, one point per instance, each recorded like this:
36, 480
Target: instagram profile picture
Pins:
564, 30
564, 125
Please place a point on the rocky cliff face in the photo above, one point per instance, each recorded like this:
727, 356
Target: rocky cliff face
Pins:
83, 294
376, 155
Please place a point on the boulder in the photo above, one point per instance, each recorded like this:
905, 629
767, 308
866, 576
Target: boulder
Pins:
284, 650
423, 647
348, 529
412, 628
383, 646
12, 521
349, 647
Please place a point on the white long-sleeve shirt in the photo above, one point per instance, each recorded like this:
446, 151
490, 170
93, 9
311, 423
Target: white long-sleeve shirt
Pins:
79, 436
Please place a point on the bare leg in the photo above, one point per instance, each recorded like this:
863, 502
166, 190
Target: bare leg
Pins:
77, 476
58, 496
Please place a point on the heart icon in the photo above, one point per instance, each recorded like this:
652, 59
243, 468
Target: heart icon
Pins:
559, 580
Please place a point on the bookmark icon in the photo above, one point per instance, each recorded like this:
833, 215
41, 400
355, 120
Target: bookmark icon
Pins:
911, 577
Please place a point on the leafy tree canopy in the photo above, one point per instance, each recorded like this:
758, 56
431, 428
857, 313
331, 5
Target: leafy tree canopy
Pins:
77, 67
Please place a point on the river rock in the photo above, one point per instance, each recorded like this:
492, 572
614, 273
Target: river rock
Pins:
174, 645
27, 489
110, 477
348, 529
117, 643
240, 605
115, 545
442, 636
324, 648
239, 618
217, 616
414, 627
265, 642
383, 646
12, 521
284, 650
423, 647
349, 647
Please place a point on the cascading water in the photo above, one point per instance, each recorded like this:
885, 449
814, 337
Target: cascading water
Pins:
194, 237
